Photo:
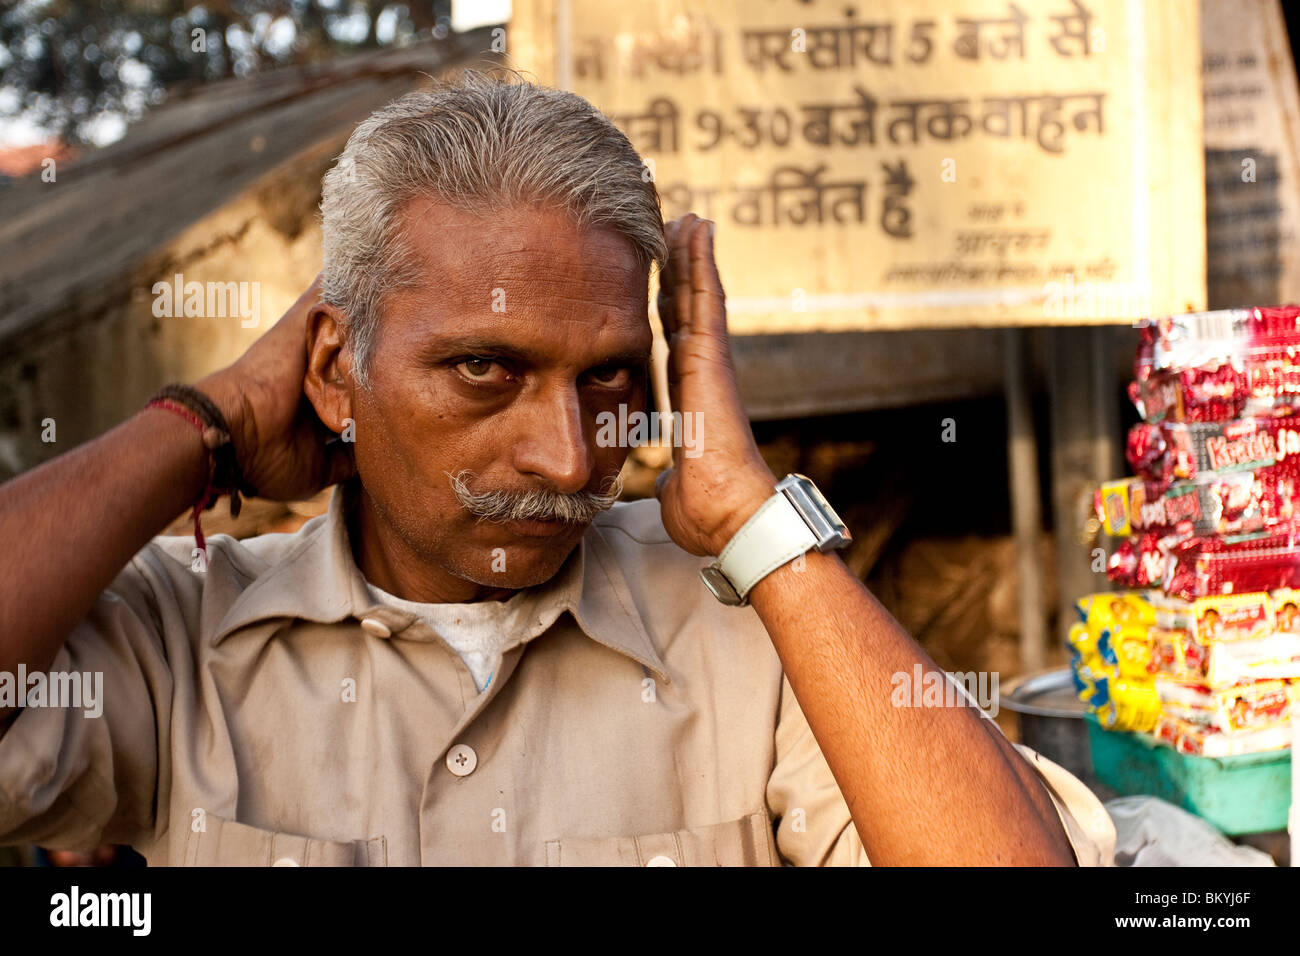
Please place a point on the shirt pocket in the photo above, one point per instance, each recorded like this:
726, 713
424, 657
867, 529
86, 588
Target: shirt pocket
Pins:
746, 841
225, 842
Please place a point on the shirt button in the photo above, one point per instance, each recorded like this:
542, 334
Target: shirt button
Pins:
660, 861
372, 625
461, 760
285, 861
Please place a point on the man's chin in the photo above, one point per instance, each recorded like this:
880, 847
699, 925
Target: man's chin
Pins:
519, 555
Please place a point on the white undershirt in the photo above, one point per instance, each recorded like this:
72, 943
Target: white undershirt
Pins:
480, 632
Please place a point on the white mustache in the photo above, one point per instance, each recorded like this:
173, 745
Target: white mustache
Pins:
536, 505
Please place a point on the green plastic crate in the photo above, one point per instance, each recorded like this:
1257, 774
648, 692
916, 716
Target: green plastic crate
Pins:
1249, 793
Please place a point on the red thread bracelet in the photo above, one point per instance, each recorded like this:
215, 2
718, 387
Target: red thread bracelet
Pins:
209, 494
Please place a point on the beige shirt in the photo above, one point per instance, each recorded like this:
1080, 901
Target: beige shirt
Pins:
267, 710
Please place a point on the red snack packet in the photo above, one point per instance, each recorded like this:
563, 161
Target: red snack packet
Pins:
1138, 562
1217, 366
1235, 503
1198, 567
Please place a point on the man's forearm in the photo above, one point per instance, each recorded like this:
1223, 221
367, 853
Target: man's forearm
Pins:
924, 785
74, 522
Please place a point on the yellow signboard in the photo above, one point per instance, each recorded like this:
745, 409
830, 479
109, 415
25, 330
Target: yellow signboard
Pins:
909, 163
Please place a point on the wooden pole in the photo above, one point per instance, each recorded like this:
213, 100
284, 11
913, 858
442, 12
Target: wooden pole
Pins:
1026, 510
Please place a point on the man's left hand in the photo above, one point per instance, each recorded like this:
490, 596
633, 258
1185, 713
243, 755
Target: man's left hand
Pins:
716, 485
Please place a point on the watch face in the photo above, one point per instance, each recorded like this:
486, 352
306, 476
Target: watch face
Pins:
830, 531
819, 499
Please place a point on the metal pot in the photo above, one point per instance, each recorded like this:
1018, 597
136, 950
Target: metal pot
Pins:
1050, 714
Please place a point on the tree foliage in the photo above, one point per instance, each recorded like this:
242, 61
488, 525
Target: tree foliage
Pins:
64, 62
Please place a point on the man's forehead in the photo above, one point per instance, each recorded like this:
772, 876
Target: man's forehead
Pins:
536, 249
521, 279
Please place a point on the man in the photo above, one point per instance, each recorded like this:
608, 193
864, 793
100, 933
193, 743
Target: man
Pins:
473, 658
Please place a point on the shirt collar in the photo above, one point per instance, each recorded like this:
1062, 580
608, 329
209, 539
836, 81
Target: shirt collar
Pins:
317, 580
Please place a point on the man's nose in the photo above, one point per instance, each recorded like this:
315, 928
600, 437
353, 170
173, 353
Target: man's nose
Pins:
553, 444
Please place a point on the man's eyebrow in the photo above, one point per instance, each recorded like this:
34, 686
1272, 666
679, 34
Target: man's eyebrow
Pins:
626, 357
496, 348
478, 345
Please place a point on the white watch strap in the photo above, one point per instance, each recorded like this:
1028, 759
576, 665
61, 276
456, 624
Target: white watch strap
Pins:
774, 535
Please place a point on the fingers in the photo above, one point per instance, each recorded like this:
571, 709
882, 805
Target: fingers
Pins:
664, 303
294, 320
310, 297
664, 300
691, 299
679, 288
707, 299
690, 289
669, 311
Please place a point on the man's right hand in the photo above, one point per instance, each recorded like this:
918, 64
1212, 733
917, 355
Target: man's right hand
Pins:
144, 473
279, 440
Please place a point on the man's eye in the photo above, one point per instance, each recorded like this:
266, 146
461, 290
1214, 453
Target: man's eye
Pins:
611, 376
479, 369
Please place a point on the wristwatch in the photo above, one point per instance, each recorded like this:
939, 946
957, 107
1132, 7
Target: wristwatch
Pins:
794, 520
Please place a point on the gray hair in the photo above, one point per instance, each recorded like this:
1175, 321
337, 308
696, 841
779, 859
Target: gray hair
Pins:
476, 143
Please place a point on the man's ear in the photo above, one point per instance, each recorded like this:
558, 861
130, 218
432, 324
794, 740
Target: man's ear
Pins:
329, 383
